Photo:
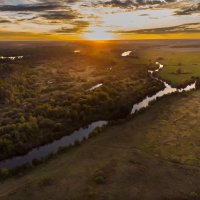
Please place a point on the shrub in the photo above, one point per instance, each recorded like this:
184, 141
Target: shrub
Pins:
46, 123
46, 182
179, 71
100, 177
58, 127
4, 173
193, 195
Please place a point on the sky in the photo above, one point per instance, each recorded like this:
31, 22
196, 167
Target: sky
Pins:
99, 19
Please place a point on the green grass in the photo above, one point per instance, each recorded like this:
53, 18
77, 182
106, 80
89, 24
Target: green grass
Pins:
187, 63
184, 60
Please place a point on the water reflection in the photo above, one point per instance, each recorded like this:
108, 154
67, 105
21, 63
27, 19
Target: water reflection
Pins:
11, 57
126, 53
96, 86
166, 91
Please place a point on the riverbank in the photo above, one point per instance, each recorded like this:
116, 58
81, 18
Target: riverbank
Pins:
151, 157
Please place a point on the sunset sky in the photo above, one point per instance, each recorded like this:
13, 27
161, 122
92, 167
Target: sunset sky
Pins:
99, 19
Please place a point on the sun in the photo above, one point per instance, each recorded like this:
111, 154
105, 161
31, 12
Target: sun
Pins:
96, 33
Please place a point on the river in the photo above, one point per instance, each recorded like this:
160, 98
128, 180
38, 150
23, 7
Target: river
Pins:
83, 133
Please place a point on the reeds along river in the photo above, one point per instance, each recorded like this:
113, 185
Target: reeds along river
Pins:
83, 133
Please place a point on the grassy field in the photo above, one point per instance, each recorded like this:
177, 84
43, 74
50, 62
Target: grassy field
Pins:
152, 157
181, 64
180, 67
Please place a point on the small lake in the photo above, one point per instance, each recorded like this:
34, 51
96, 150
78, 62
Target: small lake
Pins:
126, 53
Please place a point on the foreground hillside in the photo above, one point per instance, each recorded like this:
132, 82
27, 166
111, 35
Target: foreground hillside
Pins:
153, 156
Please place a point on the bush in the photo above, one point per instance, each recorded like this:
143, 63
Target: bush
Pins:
36, 162
179, 71
99, 177
77, 143
45, 182
4, 173
193, 195
46, 123
58, 127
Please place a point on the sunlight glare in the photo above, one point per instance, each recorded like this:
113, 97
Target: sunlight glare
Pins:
98, 34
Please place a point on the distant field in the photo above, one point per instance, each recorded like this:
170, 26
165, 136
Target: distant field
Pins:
180, 65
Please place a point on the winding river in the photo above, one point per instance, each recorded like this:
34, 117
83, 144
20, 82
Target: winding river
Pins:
83, 133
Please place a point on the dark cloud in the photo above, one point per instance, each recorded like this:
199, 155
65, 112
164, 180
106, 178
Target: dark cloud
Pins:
29, 7
68, 30
25, 2
189, 11
185, 28
131, 3
60, 15
2, 21
38, 5
78, 27
47, 9
57, 1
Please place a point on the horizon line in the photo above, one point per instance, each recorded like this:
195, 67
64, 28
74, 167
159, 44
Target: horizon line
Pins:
83, 40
